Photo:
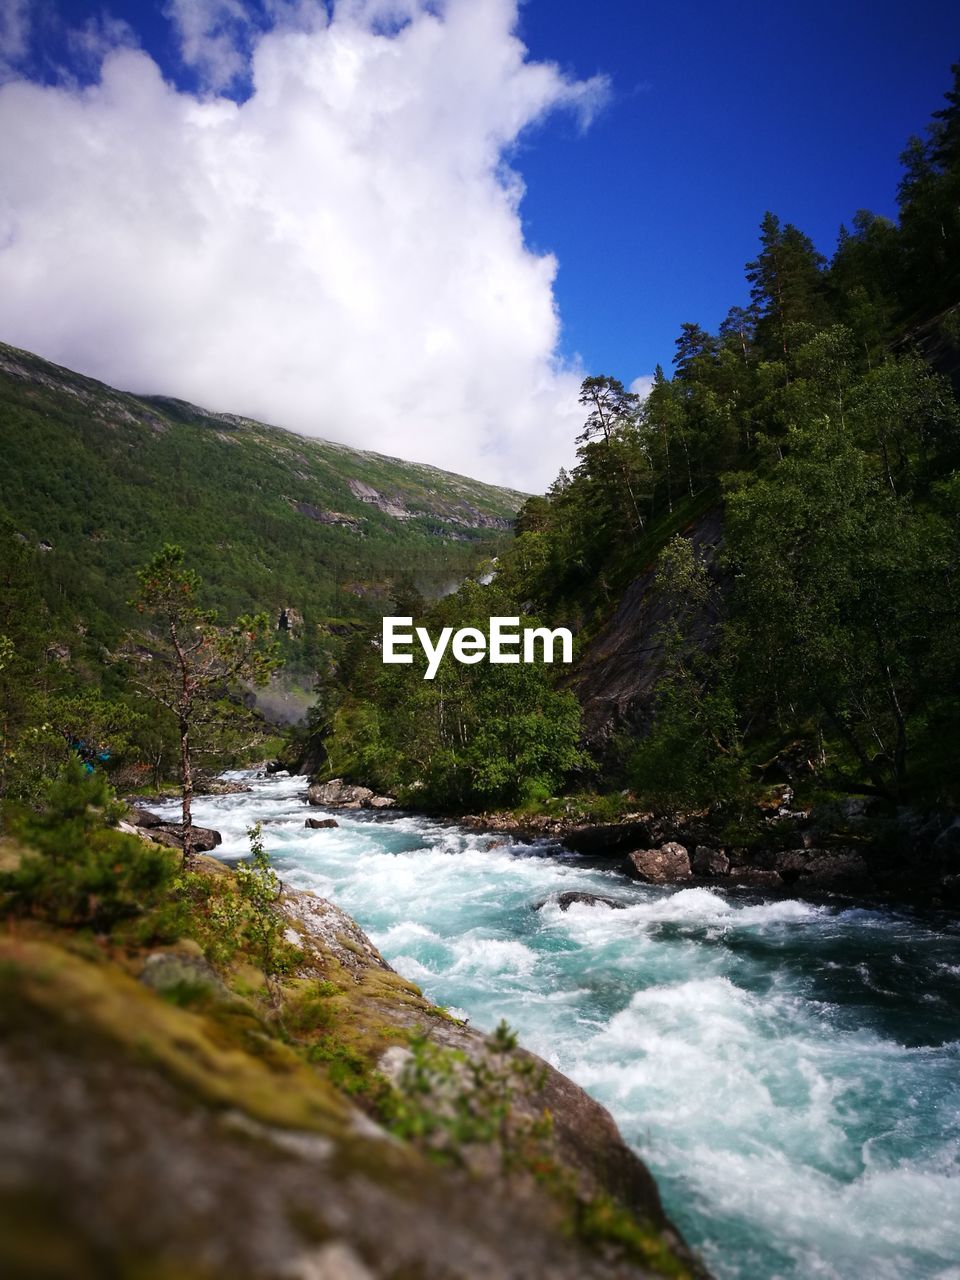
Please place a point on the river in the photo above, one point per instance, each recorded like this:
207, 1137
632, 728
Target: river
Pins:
789, 1071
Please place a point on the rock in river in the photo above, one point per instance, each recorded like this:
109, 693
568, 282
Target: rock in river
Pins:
661, 866
574, 896
337, 794
171, 833
710, 862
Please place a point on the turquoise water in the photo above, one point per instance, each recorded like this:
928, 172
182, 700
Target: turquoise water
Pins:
790, 1072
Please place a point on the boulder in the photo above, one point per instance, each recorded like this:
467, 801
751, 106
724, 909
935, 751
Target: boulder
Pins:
337, 794
572, 897
318, 824
802, 839
205, 839
661, 866
217, 788
608, 838
171, 834
144, 818
709, 862
857, 808
820, 866
379, 802
756, 877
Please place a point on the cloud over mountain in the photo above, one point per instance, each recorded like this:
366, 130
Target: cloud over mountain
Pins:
340, 252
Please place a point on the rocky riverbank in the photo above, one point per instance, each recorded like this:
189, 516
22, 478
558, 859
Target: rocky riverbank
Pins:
850, 847
160, 1114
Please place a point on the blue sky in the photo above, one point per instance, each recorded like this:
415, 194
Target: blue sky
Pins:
719, 112
355, 222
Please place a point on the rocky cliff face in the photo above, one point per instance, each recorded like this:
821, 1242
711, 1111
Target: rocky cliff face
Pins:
620, 668
155, 1121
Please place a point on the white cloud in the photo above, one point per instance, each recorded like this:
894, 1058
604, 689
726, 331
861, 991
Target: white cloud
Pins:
90, 43
642, 386
215, 37
341, 254
15, 25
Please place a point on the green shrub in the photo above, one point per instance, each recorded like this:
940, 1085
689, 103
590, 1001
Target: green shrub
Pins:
76, 870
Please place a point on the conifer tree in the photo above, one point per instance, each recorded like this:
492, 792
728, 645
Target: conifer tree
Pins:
786, 285
192, 661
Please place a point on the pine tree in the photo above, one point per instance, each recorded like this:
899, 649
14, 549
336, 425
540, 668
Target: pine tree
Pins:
192, 662
929, 196
786, 286
612, 420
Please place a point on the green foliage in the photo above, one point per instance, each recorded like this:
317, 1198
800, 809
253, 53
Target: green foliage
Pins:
475, 736
269, 517
691, 757
830, 618
75, 870
234, 918
449, 1101
603, 1223
194, 663
929, 198
345, 1066
260, 890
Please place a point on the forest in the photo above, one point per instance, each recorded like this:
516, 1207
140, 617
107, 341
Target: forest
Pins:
821, 424
314, 535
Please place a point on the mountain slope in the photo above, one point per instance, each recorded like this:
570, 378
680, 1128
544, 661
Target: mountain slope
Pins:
315, 532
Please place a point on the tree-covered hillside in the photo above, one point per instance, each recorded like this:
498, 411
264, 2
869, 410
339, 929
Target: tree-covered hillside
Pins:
96, 480
820, 420
761, 560
317, 538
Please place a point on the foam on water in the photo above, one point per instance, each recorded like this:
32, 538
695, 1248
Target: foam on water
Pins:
791, 1072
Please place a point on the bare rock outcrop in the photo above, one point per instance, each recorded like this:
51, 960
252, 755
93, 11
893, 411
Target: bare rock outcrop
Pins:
616, 677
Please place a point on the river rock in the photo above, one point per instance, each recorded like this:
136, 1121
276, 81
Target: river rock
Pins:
757, 877
337, 794
572, 897
661, 866
709, 862
317, 824
218, 788
605, 838
171, 834
380, 802
144, 818
820, 866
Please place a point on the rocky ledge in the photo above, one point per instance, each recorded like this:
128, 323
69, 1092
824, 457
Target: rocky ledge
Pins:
151, 826
158, 1116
